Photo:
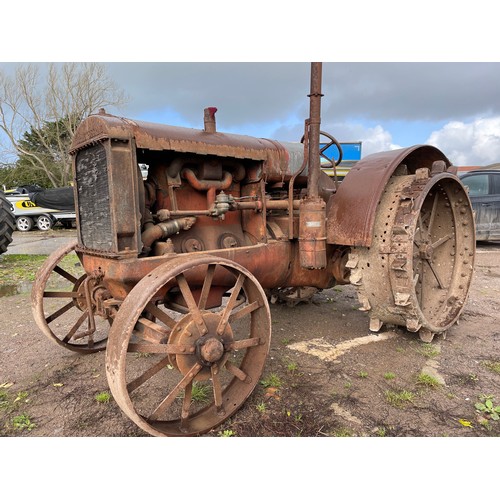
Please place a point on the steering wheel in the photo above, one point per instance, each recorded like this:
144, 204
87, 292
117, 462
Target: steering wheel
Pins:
326, 146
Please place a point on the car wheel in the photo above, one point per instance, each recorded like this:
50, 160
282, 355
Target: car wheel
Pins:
24, 223
44, 222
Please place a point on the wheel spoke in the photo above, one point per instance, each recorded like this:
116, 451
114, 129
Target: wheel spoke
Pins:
434, 272
191, 303
441, 241
217, 388
237, 372
161, 315
230, 304
151, 372
65, 274
241, 313
433, 213
186, 404
59, 312
150, 331
207, 283
147, 347
183, 383
59, 295
243, 344
77, 325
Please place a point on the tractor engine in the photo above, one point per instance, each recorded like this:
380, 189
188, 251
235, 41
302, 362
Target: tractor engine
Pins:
205, 191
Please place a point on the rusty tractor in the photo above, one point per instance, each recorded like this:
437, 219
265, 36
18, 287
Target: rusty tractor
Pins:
172, 274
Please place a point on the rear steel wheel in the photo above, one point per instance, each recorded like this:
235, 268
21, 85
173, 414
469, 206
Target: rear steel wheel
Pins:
64, 299
418, 270
188, 345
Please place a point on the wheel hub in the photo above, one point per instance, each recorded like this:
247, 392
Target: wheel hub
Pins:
209, 350
425, 251
201, 344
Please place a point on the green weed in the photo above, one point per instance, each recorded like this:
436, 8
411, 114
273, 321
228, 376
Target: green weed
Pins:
493, 366
427, 380
226, 433
200, 392
363, 374
399, 399
272, 380
389, 376
261, 407
103, 397
23, 422
428, 350
487, 407
292, 367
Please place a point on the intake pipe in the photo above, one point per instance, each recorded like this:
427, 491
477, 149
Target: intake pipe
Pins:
164, 230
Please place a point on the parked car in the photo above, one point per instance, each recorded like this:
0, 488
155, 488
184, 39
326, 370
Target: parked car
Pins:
484, 192
42, 208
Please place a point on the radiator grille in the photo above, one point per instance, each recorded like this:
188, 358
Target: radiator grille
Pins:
93, 198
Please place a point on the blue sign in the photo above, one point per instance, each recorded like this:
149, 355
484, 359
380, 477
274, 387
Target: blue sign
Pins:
351, 151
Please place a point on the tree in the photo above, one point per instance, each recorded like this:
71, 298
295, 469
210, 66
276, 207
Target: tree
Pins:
39, 116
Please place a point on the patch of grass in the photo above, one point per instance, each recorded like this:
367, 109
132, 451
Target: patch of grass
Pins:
292, 367
427, 380
428, 350
493, 366
103, 397
399, 399
23, 422
226, 433
200, 392
363, 374
22, 268
285, 341
272, 380
389, 376
4, 399
16, 268
343, 432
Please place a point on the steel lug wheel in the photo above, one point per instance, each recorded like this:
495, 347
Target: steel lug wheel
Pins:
418, 270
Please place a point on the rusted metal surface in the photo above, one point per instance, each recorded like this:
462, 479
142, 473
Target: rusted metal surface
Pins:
65, 304
351, 222
418, 270
180, 265
225, 349
314, 130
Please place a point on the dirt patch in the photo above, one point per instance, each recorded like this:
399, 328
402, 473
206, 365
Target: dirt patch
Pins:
331, 376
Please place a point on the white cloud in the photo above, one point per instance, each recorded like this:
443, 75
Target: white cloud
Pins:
469, 144
374, 139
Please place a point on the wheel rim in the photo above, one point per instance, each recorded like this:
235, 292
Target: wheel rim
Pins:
418, 271
44, 223
59, 304
24, 224
178, 374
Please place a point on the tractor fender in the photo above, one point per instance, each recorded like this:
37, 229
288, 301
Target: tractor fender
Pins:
351, 210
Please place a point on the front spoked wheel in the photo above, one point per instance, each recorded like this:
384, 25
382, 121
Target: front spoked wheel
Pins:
63, 301
188, 345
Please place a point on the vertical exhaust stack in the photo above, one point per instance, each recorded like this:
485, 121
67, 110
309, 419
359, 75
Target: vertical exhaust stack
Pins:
312, 211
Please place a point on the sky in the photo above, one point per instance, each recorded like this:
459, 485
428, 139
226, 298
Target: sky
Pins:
454, 106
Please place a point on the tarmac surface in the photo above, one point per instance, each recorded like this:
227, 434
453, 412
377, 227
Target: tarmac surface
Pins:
39, 242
